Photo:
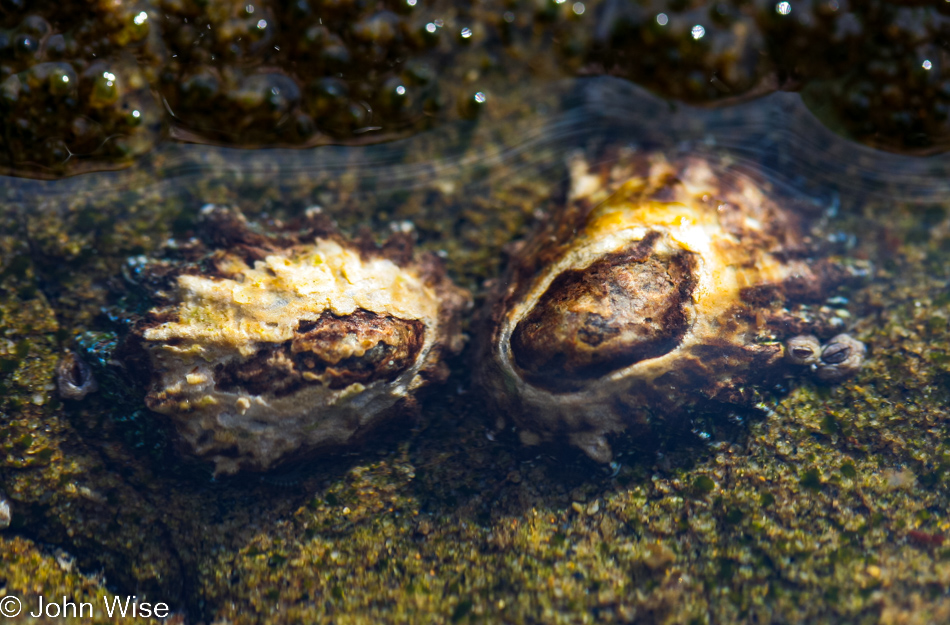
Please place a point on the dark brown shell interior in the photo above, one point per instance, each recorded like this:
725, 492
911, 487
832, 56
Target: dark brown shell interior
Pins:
319, 348
627, 307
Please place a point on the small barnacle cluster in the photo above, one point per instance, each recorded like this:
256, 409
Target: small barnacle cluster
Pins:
663, 286
840, 358
274, 345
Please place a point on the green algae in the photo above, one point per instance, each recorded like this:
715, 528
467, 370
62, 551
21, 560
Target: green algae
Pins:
807, 515
30, 572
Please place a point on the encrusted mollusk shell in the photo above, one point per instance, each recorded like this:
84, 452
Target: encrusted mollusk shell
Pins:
662, 285
305, 348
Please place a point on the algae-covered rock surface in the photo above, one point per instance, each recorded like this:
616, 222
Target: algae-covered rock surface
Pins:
825, 503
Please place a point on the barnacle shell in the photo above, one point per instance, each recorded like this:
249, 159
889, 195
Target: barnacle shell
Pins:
840, 358
282, 350
662, 286
803, 350
74, 378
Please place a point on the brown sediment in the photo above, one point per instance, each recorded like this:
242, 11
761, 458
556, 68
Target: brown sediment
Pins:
334, 350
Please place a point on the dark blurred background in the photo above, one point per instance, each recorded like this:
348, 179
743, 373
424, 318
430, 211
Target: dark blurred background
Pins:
93, 84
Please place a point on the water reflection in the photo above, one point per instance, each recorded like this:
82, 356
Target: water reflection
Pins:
775, 133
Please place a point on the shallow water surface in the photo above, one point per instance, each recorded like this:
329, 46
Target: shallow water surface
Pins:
826, 503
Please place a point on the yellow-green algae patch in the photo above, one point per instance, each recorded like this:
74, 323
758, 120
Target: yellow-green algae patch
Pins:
30, 573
